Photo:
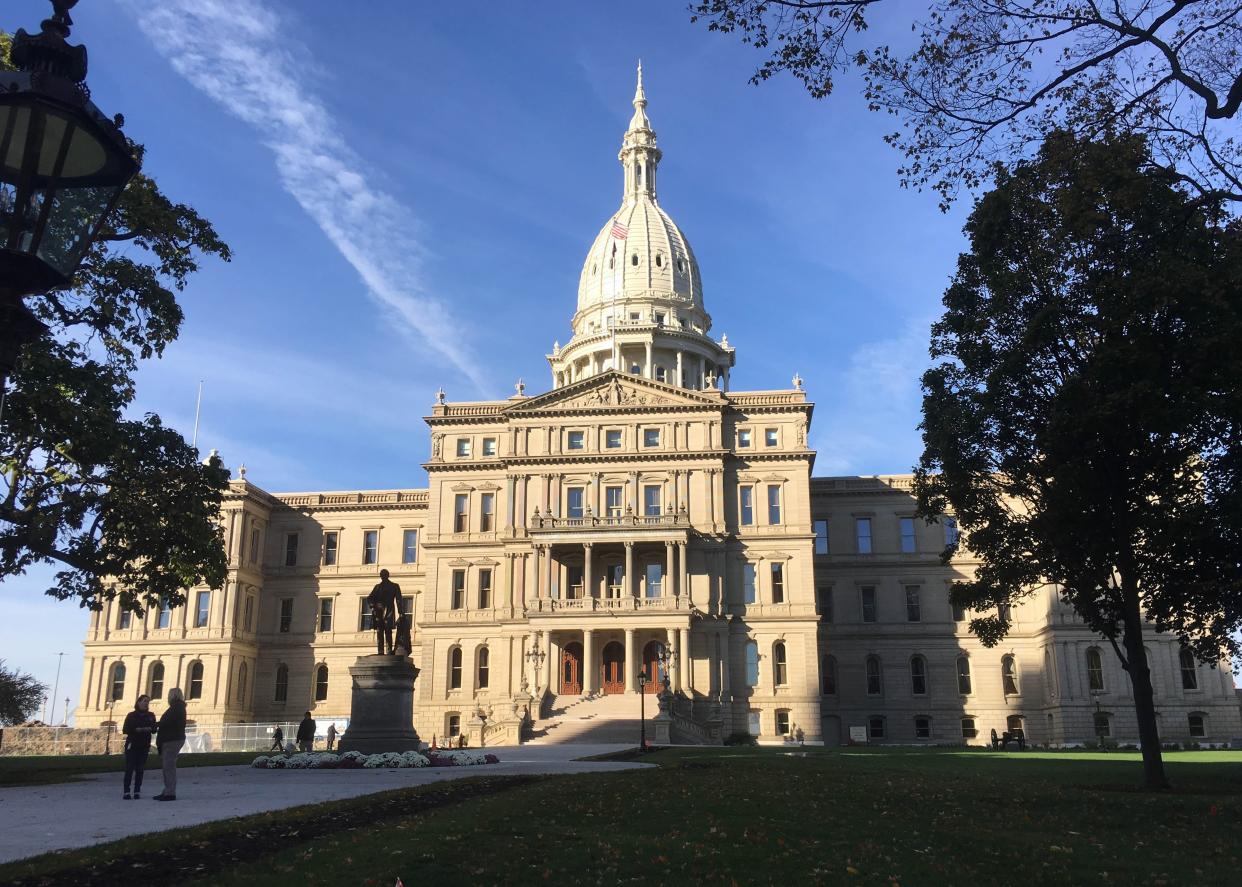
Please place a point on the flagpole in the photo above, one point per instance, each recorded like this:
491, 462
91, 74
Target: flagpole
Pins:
198, 405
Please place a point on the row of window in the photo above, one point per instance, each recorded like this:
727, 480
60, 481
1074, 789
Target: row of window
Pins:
746, 505
863, 535
868, 610
877, 725
370, 547
771, 438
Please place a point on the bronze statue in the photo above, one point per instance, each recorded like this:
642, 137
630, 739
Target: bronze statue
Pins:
385, 601
404, 643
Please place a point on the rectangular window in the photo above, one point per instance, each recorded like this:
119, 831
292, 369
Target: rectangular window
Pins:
325, 614
867, 593
875, 728
461, 513
753, 722
782, 722
124, 618
651, 437
774, 504
459, 590
487, 512
969, 731
286, 615
778, 583
655, 580
370, 546
914, 607
748, 583
613, 501
254, 546
823, 601
959, 612
651, 501
463, 447
573, 501
1197, 725
329, 549
489, 446
409, 547
575, 440
573, 575
164, 618
907, 535
659, 318
922, 728
248, 615
950, 531
743, 438
746, 506
612, 439
407, 606
291, 549
202, 609
821, 537
770, 437
366, 620
862, 528
485, 589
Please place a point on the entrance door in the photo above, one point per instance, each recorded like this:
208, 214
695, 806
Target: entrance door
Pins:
613, 668
571, 669
651, 666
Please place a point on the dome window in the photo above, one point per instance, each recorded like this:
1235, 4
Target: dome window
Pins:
659, 261
681, 265
594, 268
634, 259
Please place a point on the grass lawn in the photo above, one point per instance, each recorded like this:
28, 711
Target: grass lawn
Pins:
732, 815
43, 769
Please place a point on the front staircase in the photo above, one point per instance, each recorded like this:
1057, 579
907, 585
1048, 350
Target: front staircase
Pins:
613, 718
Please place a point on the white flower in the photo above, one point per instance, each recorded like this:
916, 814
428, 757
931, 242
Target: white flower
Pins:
262, 762
414, 759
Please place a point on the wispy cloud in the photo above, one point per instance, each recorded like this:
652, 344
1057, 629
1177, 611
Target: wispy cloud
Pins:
240, 54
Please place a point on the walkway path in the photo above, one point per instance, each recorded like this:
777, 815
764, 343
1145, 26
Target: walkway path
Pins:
41, 818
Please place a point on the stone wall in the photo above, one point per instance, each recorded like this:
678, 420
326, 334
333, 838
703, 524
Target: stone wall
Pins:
38, 739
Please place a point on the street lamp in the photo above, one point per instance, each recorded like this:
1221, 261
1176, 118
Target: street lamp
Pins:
535, 657
111, 726
667, 655
63, 166
642, 710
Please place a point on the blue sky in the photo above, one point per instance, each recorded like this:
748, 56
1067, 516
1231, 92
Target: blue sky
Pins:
410, 190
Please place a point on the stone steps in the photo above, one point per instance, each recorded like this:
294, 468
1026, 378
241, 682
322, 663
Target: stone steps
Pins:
589, 719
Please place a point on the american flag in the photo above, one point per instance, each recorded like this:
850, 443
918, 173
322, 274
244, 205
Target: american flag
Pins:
619, 231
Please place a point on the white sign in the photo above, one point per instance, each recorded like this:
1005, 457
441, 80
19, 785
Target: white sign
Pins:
858, 735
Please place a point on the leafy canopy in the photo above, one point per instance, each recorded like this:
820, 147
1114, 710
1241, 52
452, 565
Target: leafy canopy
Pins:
104, 496
20, 695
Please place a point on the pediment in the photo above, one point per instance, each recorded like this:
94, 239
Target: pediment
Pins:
613, 390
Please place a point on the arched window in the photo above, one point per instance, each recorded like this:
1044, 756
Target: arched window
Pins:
752, 664
117, 689
922, 727
1197, 723
321, 683
918, 676
963, 675
1190, 676
875, 680
634, 260
455, 668
483, 665
1095, 670
282, 683
155, 680
196, 681
659, 261
1009, 676
242, 674
780, 669
828, 676
1050, 679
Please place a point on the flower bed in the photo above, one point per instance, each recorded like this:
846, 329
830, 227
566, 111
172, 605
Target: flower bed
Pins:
352, 760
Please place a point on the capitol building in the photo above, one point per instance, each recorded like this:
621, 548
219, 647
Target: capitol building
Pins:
640, 525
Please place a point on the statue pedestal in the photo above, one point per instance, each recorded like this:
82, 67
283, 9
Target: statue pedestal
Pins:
382, 712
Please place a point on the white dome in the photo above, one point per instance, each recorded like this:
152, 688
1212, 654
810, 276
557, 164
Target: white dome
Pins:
639, 254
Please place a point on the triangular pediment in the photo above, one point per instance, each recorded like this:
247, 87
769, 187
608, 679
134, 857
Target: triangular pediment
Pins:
614, 390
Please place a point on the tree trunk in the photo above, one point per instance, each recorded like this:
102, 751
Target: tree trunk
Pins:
1144, 696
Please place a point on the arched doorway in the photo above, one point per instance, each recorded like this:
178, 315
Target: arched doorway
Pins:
651, 667
613, 668
571, 669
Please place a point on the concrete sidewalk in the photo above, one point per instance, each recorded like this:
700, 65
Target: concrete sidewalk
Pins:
38, 819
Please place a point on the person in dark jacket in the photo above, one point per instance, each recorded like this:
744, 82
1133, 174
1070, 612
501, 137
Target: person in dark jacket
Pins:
278, 740
169, 737
138, 727
306, 733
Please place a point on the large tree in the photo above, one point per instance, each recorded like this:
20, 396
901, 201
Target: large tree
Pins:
122, 505
20, 695
1084, 420
988, 79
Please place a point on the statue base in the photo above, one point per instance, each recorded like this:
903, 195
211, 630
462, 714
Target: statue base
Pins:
382, 711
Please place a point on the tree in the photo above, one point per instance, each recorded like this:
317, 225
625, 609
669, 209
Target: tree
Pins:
988, 79
1084, 421
20, 695
109, 498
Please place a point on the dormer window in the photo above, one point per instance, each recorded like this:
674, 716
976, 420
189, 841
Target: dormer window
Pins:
634, 259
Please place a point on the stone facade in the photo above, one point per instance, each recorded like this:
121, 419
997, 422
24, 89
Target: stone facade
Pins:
638, 517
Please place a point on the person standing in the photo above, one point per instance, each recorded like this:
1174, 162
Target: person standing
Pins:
331, 736
169, 737
138, 727
306, 733
278, 740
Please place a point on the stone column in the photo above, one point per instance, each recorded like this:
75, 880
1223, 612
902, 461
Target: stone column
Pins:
510, 502
631, 657
680, 379
683, 580
668, 570
635, 493
713, 659
549, 570
631, 581
597, 505
588, 579
588, 661
508, 601
683, 655
718, 496
649, 369
549, 665
726, 379
726, 679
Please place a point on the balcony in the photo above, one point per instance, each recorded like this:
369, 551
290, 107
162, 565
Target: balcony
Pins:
627, 604
667, 521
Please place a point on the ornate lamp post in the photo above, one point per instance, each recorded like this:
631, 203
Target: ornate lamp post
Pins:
667, 656
111, 727
642, 710
63, 166
535, 657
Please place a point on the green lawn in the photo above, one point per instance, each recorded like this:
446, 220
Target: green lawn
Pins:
42, 769
733, 815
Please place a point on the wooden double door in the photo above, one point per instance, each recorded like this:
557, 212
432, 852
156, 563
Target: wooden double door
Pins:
611, 669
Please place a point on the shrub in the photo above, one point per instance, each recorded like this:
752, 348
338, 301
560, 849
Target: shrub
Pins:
741, 738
